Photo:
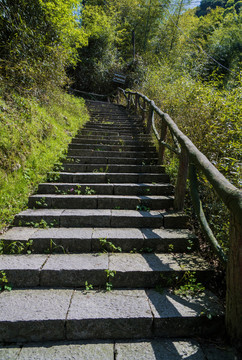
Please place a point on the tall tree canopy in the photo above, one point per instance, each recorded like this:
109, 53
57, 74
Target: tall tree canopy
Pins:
38, 39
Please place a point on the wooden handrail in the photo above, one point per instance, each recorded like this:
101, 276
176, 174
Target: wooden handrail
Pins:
191, 158
228, 193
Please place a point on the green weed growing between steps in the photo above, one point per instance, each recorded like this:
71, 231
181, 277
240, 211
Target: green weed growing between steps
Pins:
33, 137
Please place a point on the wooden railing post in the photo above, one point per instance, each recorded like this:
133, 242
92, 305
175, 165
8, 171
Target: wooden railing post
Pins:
233, 316
143, 112
180, 190
163, 135
149, 122
129, 100
136, 103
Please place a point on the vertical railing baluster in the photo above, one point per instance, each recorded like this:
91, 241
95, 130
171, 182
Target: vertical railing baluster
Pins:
233, 314
150, 118
163, 135
180, 189
136, 103
129, 100
143, 112
118, 97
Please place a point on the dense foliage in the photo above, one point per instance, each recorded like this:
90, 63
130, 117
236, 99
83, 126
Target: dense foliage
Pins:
38, 39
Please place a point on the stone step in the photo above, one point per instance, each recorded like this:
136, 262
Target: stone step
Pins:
119, 147
92, 201
119, 133
96, 104
111, 112
103, 107
127, 270
67, 314
115, 119
125, 139
145, 349
113, 126
112, 168
110, 178
126, 129
104, 153
87, 240
120, 142
124, 121
112, 118
113, 160
114, 134
100, 218
106, 189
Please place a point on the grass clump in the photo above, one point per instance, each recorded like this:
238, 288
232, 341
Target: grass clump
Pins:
34, 136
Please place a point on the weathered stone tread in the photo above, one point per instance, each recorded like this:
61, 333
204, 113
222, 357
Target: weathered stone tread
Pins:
73, 270
108, 189
101, 218
158, 349
126, 202
56, 314
81, 240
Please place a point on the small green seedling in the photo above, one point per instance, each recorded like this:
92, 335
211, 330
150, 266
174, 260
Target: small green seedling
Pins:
170, 248
110, 274
88, 286
142, 208
4, 284
108, 245
41, 203
89, 191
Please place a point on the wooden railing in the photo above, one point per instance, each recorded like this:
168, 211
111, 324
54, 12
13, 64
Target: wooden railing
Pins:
191, 159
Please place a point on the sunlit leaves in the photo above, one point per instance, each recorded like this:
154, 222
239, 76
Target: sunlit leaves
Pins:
39, 38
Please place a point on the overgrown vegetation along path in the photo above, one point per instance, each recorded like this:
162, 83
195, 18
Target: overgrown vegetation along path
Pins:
109, 258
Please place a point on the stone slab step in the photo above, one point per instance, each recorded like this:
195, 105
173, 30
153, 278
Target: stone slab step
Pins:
84, 240
84, 140
114, 135
123, 121
84, 177
100, 218
112, 160
66, 314
125, 139
113, 115
117, 147
128, 270
126, 202
113, 126
145, 349
106, 189
113, 168
96, 104
114, 119
104, 153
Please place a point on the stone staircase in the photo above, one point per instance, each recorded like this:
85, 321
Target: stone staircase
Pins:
106, 247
